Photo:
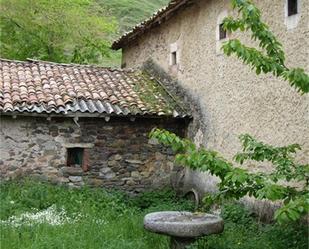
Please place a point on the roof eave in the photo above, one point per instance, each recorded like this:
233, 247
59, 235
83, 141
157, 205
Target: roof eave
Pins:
89, 115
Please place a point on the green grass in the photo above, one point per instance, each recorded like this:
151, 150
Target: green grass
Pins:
121, 219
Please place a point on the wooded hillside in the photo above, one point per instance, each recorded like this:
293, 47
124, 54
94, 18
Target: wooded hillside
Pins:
69, 31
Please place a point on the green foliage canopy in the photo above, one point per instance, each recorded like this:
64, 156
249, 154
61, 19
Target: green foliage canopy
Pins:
131, 12
270, 58
238, 182
60, 30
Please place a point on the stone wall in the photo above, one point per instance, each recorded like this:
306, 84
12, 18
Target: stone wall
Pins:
233, 100
117, 154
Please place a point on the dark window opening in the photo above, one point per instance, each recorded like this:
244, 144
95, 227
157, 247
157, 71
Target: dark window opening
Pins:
292, 7
174, 58
222, 32
75, 156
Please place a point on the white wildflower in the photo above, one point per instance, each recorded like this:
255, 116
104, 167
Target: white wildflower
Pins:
100, 222
50, 216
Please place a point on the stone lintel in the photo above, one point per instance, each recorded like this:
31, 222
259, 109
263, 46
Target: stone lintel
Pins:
79, 145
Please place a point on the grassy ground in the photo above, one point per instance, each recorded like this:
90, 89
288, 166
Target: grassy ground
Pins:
94, 218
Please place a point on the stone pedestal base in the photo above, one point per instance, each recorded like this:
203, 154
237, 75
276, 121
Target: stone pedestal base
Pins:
181, 243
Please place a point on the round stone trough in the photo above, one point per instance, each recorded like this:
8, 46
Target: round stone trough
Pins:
183, 227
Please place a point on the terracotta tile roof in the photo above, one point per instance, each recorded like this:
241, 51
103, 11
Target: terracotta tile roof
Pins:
157, 18
45, 87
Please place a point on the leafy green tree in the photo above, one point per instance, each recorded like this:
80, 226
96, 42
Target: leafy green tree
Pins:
60, 30
270, 57
236, 182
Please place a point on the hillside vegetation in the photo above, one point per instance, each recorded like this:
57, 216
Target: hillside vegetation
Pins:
69, 31
131, 12
128, 13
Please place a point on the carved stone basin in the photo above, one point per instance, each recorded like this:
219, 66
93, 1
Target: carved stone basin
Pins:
183, 227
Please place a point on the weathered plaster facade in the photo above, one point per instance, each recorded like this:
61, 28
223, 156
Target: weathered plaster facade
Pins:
119, 153
233, 100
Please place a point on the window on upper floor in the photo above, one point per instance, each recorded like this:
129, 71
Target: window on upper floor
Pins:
174, 55
292, 13
222, 32
292, 7
174, 58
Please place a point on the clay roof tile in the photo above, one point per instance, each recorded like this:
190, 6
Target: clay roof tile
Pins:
53, 86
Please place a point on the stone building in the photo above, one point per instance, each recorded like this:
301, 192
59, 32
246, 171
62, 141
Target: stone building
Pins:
79, 125
183, 42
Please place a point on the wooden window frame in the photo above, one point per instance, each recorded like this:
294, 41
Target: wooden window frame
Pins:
73, 154
85, 157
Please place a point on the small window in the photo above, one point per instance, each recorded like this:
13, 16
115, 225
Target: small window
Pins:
292, 7
75, 156
174, 58
222, 32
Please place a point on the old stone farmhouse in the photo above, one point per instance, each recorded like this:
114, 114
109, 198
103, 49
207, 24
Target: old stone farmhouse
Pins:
182, 41
81, 125
88, 125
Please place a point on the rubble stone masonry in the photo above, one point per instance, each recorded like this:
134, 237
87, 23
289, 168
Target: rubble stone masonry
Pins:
116, 154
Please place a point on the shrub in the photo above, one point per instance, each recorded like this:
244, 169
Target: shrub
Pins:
238, 182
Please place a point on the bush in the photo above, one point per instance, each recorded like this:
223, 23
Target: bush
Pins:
237, 182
